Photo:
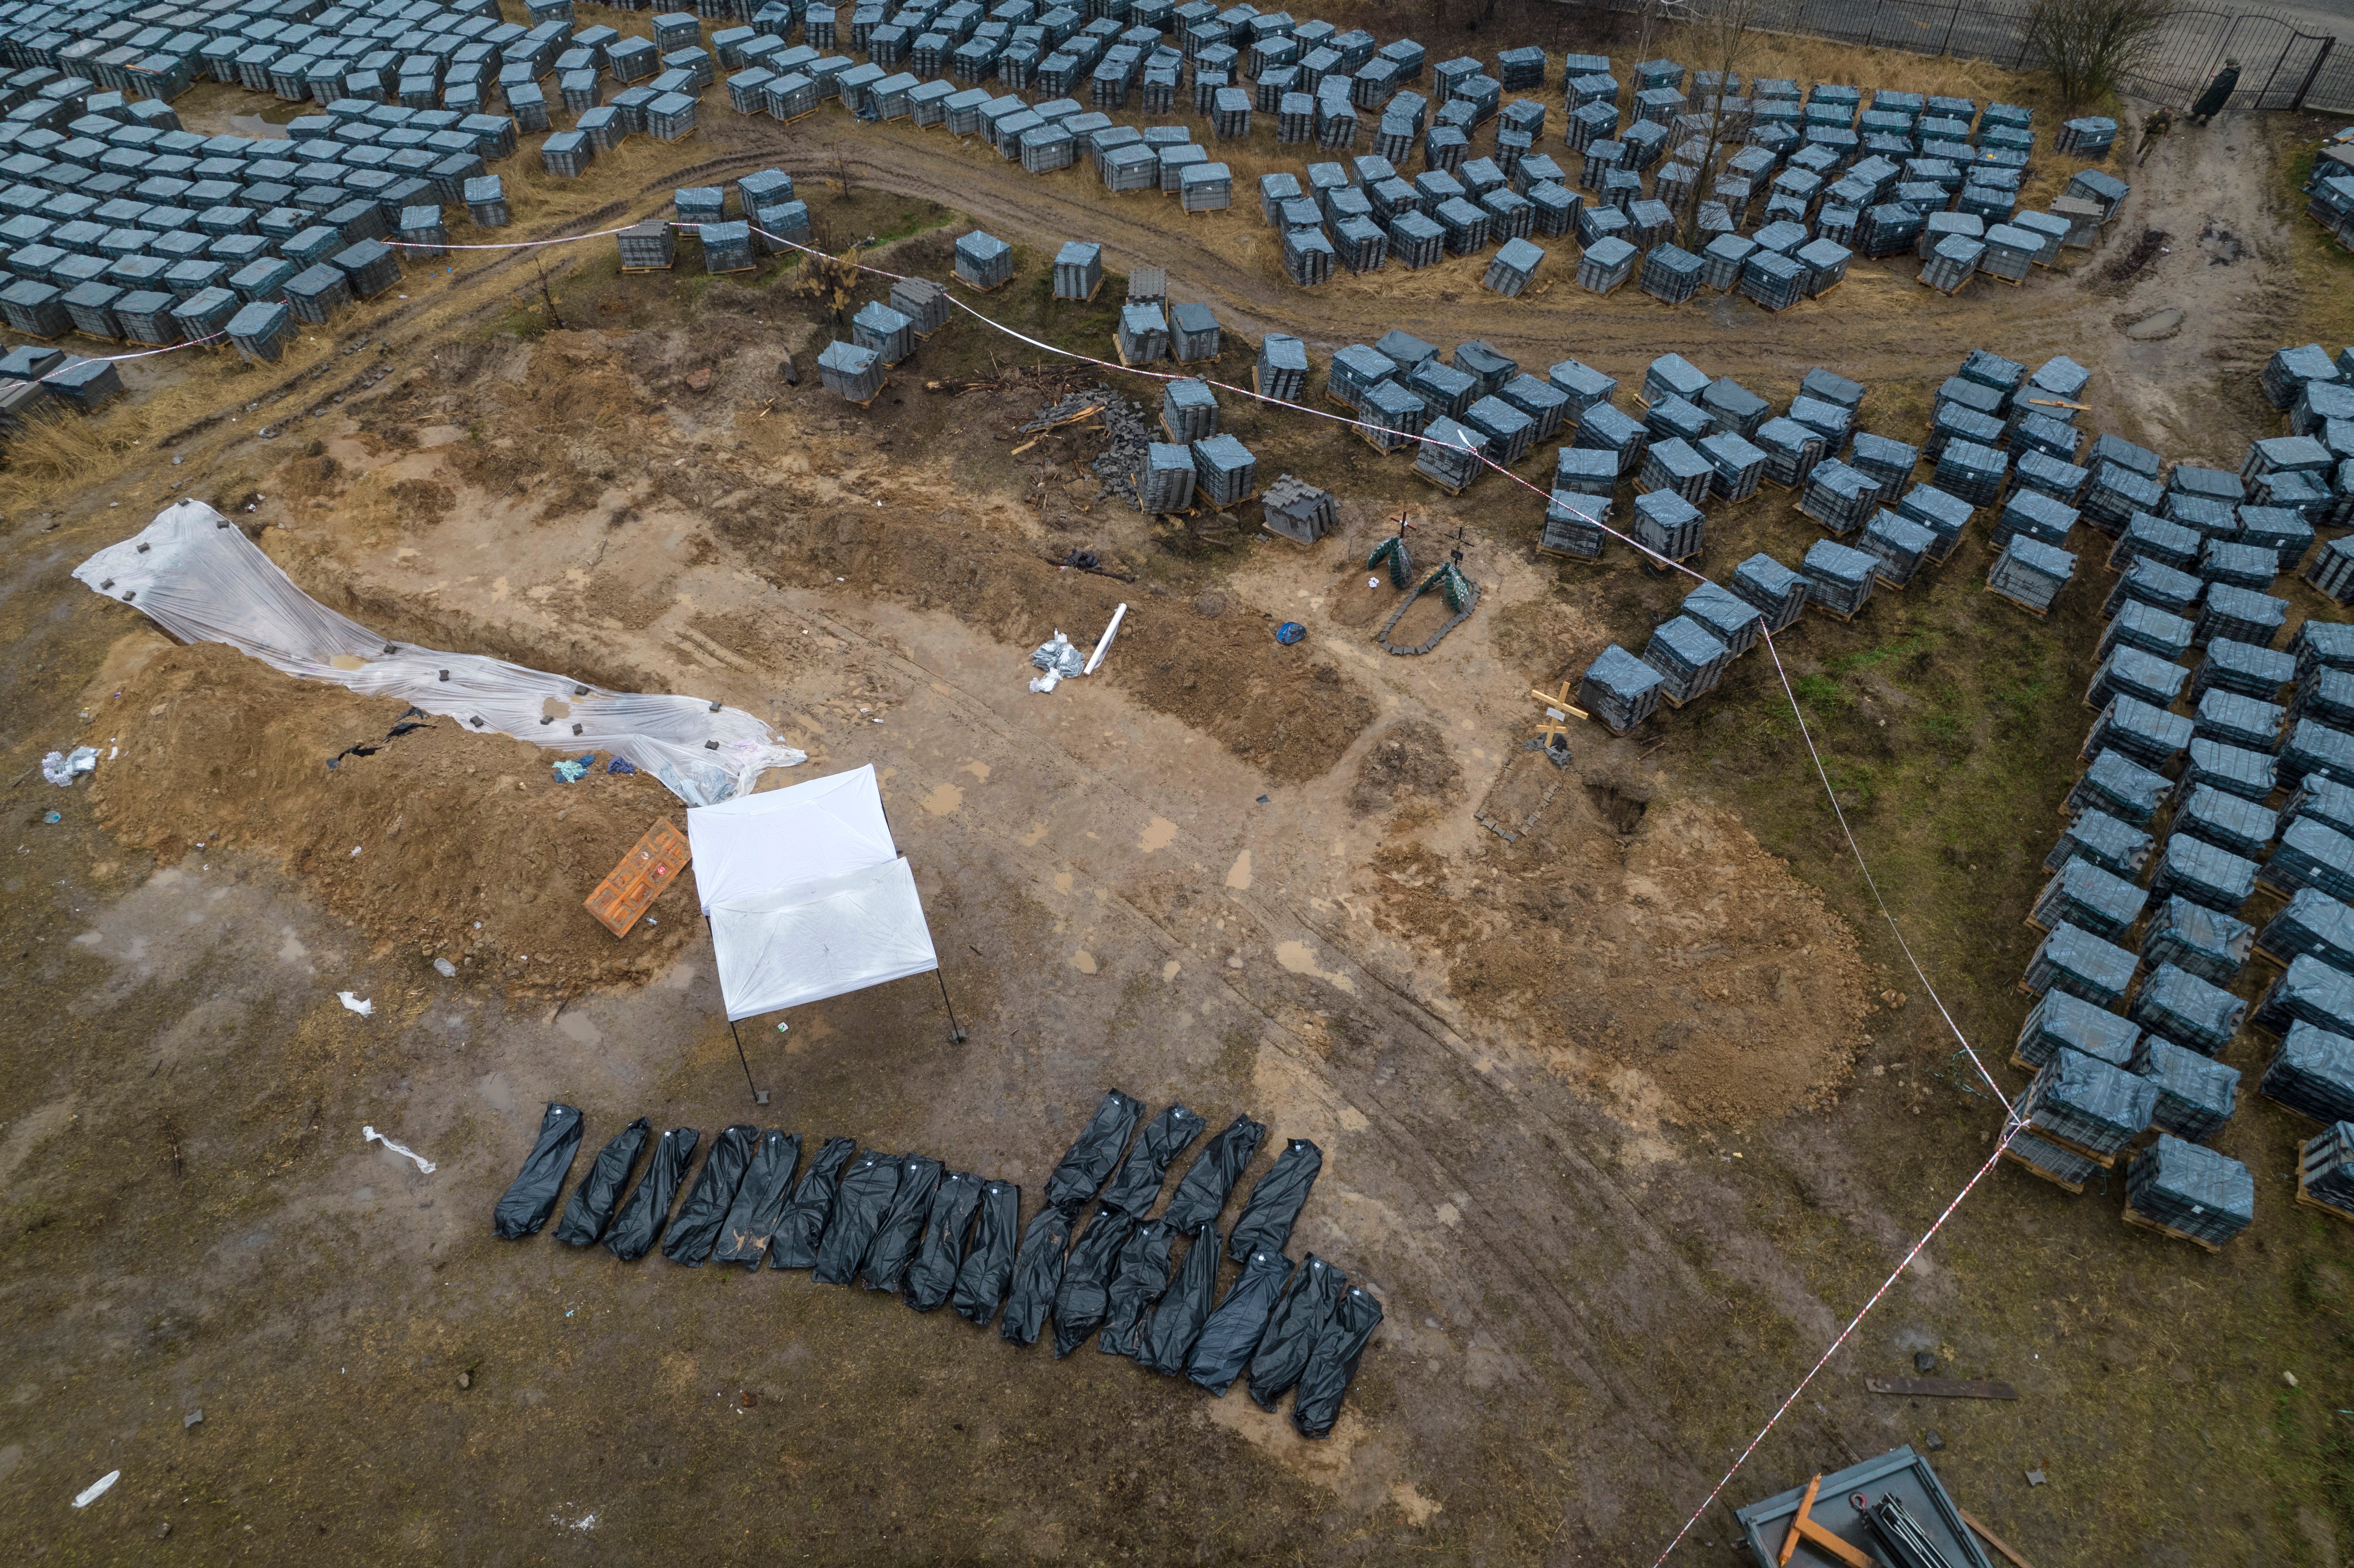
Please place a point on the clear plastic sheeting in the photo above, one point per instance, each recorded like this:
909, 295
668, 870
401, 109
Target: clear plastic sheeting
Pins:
199, 577
818, 828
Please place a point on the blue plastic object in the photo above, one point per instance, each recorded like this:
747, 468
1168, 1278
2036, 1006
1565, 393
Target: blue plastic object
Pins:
1290, 632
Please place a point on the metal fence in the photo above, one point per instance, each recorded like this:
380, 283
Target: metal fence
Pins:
2282, 66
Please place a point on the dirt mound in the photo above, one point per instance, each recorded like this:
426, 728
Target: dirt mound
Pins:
1407, 761
1654, 944
469, 848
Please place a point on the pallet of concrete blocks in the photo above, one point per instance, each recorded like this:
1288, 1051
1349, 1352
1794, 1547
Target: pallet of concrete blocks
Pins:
1206, 187
1133, 167
1045, 148
2089, 1105
1189, 410
1775, 283
1954, 262
727, 247
2286, 373
1175, 161
2135, 672
671, 117
2240, 614
422, 234
1509, 432
1740, 465
1840, 497
1677, 468
1141, 336
1078, 271
1297, 510
1230, 113
567, 154
1825, 264
1416, 240
1898, 544
1390, 415
1669, 525
2312, 855
2259, 672
2116, 784
1308, 256
1672, 274
1839, 579
2108, 842
851, 373
316, 291
1620, 690
1361, 244
2143, 731
1606, 428
1792, 450
1193, 335
1778, 594
1688, 657
1972, 472
922, 301
2195, 1094
2309, 991
2188, 1192
260, 330
1164, 480
2055, 1163
2180, 1006
604, 127
2312, 1074
2060, 1022
2089, 136
2324, 1170
1281, 370
1225, 473
1606, 264
1721, 261
1515, 264
1573, 524
486, 202
983, 262
887, 332
1449, 454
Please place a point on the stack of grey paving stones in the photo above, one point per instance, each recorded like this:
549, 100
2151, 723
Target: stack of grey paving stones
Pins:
849, 372
1193, 335
983, 260
1450, 452
1298, 509
2185, 1187
1189, 410
1225, 473
1689, 658
922, 301
886, 331
1620, 690
1078, 270
648, 247
1164, 480
1839, 581
1281, 371
2325, 1169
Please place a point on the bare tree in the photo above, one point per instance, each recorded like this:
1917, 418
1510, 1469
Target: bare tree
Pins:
2091, 46
1719, 37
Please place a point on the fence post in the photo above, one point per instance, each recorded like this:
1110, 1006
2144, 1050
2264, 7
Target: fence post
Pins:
1871, 28
2328, 42
2272, 75
1952, 19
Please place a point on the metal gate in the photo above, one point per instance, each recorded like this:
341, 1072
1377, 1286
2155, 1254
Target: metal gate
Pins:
2278, 64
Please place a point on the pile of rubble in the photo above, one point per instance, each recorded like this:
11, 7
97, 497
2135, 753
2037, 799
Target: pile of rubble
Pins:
1127, 430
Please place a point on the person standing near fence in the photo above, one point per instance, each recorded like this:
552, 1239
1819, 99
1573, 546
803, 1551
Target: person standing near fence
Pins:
2219, 93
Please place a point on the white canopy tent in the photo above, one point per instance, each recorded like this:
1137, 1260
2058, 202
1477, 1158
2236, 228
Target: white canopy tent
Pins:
807, 895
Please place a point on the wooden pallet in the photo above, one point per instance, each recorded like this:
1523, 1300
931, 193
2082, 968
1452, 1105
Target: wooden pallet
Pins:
1128, 363
1089, 297
1432, 479
2106, 1162
2308, 1200
639, 271
2037, 1171
978, 287
1846, 618
2145, 1223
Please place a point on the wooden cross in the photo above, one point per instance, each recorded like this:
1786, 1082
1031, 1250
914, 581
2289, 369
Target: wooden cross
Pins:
1558, 711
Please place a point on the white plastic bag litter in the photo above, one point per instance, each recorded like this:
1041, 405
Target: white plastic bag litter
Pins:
1059, 659
422, 1163
358, 1004
97, 1488
201, 579
59, 769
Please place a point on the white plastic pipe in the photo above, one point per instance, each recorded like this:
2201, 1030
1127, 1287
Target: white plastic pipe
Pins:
1103, 644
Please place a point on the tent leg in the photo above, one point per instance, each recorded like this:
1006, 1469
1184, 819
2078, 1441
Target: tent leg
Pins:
760, 1096
955, 1033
